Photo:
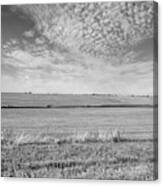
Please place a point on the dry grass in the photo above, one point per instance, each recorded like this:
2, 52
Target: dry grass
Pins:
93, 155
11, 139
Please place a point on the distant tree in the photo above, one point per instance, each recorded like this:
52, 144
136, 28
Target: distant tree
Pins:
49, 106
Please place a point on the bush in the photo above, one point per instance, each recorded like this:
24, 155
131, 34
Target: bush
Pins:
49, 106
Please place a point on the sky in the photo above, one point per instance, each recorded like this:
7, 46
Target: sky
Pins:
78, 48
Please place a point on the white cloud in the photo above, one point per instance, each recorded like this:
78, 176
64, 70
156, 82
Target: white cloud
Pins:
80, 26
80, 50
39, 41
29, 33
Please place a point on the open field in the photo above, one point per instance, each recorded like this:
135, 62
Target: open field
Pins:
43, 100
80, 159
77, 142
130, 121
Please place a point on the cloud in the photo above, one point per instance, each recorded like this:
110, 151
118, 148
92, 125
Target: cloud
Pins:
39, 40
101, 29
83, 47
92, 76
29, 33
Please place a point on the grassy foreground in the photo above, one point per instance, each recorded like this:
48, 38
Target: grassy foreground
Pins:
93, 156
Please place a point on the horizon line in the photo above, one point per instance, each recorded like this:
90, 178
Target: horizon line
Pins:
93, 93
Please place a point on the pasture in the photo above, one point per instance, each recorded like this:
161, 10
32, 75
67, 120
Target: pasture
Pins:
77, 142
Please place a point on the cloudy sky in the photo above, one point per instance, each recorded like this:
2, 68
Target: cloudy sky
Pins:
78, 48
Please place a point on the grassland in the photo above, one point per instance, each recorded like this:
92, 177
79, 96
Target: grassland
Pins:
77, 142
76, 157
45, 100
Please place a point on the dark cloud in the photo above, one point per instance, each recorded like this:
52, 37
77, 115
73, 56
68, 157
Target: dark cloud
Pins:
13, 23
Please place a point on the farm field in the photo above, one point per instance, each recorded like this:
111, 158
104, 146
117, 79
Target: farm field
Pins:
22, 99
130, 121
78, 143
89, 159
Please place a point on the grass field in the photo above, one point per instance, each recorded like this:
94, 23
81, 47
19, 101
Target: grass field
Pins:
77, 142
21, 99
80, 159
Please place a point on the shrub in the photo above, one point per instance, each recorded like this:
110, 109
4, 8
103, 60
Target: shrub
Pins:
49, 106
